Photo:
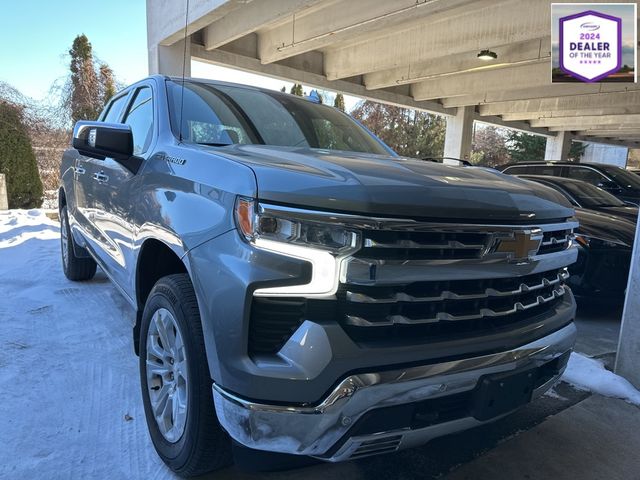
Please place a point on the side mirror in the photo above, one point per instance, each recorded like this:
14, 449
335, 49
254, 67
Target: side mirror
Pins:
101, 140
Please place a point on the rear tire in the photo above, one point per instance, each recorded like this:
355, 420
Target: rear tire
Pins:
75, 268
187, 437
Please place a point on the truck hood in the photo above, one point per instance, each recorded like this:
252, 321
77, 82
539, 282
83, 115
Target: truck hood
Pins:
394, 186
606, 227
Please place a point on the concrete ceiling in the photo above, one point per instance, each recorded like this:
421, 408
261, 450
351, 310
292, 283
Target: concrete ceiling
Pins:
416, 53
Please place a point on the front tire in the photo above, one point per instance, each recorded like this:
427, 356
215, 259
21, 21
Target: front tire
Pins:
75, 268
176, 383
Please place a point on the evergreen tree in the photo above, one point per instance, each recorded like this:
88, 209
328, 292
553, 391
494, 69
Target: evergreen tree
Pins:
17, 160
107, 84
524, 147
296, 89
283, 89
339, 102
85, 95
90, 84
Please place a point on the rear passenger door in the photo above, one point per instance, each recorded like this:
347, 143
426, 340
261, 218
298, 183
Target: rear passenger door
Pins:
114, 187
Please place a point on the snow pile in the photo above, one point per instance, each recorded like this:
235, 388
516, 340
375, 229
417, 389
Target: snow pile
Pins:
588, 374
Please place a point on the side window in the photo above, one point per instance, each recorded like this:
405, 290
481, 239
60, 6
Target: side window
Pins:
140, 117
114, 109
586, 175
517, 170
549, 170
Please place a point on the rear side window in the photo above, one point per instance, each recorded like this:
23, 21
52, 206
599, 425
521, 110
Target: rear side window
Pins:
549, 170
114, 109
586, 175
140, 118
517, 170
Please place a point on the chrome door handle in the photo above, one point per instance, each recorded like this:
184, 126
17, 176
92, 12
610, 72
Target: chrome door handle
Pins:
79, 171
100, 177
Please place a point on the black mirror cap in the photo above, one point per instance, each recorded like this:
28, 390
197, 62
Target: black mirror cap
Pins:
100, 140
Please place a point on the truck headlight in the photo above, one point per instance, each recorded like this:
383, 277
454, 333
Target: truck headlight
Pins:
323, 244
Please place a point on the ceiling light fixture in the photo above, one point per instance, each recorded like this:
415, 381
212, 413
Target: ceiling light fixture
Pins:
487, 55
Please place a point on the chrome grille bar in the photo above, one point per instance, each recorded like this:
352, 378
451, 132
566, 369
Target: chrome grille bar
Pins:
357, 297
453, 244
358, 321
557, 241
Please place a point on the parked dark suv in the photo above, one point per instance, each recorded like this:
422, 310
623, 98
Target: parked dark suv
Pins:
615, 180
331, 298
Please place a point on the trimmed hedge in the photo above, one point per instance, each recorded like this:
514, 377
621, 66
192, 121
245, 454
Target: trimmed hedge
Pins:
17, 160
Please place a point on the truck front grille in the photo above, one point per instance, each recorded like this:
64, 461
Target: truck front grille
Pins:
441, 311
385, 245
448, 301
419, 285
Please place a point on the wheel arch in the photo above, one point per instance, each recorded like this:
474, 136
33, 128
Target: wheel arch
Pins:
155, 260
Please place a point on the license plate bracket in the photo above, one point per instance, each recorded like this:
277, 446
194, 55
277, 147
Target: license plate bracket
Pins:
501, 393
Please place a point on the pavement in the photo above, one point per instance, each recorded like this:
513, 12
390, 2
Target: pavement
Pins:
598, 438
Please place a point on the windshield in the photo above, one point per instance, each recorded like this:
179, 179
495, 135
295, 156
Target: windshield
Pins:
590, 196
622, 177
223, 115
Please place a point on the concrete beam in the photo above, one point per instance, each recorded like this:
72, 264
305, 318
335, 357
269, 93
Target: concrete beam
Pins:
628, 357
558, 147
549, 91
626, 99
171, 60
580, 123
611, 133
288, 73
482, 26
520, 126
607, 141
626, 110
251, 17
344, 21
522, 76
533, 51
166, 18
459, 134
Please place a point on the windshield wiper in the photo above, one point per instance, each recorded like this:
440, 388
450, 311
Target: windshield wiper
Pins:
215, 144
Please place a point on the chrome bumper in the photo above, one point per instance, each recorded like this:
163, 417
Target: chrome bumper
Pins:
314, 430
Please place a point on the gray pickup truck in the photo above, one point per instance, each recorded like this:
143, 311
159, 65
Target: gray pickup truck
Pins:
301, 289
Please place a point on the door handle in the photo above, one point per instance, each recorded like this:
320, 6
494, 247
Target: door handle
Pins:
100, 177
79, 171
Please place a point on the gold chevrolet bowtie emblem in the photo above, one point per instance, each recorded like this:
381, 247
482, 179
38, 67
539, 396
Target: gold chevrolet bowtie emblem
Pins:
522, 245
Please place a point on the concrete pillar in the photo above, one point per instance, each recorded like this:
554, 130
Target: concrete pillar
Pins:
4, 199
558, 147
459, 135
628, 358
168, 60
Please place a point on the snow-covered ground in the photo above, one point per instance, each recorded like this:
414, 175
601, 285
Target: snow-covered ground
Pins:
69, 389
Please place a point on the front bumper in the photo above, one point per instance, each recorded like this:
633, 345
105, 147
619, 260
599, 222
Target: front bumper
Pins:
327, 431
